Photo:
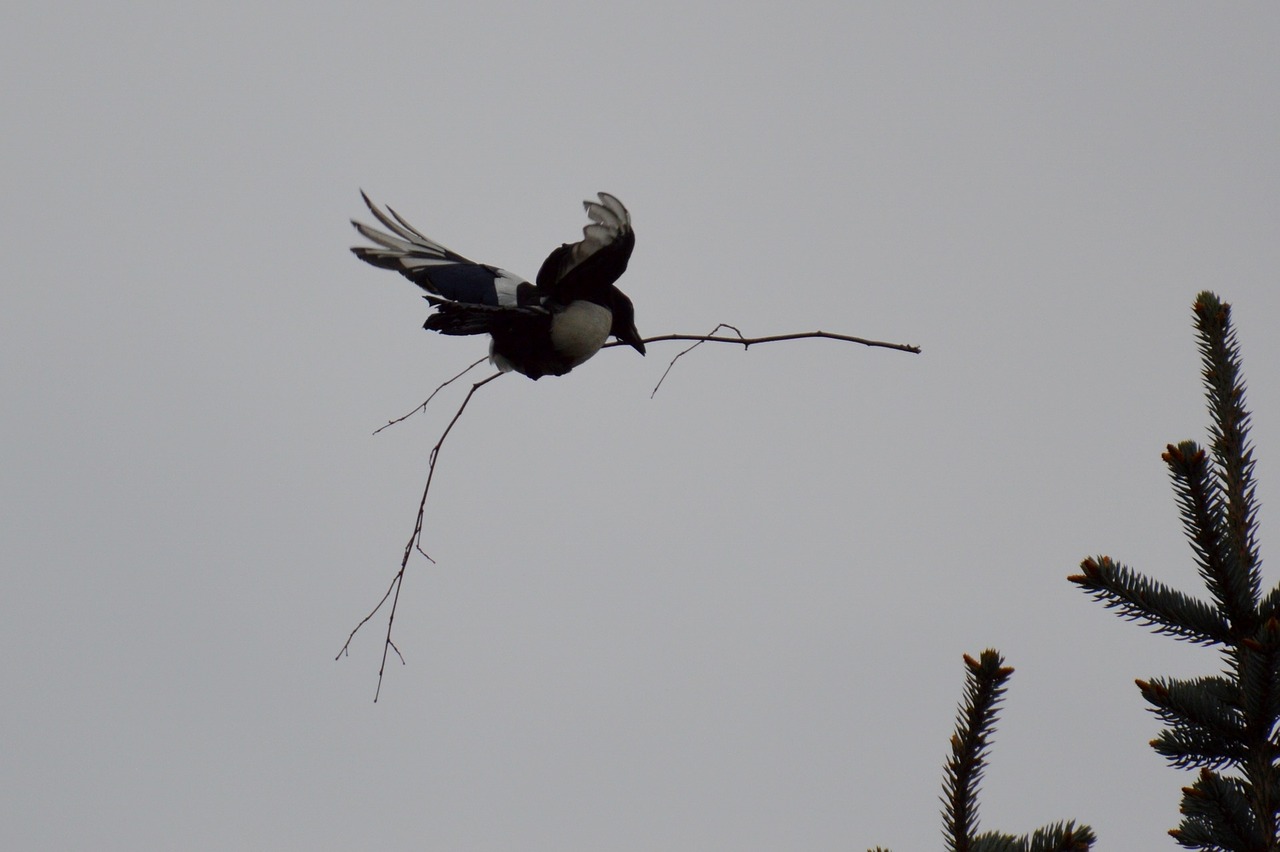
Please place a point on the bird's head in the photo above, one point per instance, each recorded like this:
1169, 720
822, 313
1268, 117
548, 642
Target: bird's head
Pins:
624, 322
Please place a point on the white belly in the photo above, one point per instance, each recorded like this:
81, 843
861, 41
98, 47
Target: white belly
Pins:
580, 330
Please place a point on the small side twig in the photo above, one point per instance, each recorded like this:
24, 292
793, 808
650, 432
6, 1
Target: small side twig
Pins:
415, 540
423, 405
684, 352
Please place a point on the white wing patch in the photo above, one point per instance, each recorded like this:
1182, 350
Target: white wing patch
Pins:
609, 220
506, 284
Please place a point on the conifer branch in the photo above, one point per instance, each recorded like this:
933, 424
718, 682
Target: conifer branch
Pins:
1063, 837
1187, 747
995, 841
1203, 524
1270, 606
1233, 454
1217, 816
1151, 603
985, 683
1207, 706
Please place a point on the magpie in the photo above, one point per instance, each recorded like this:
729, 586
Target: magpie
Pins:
542, 329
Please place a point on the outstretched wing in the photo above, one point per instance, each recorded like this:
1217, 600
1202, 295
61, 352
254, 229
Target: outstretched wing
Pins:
435, 268
599, 258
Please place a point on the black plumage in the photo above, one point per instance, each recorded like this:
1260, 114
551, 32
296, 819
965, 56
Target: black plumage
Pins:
547, 328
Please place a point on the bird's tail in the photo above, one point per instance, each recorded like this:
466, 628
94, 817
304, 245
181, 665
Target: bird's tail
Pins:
460, 318
405, 249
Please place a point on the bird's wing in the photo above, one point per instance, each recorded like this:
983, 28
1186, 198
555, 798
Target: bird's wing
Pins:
433, 267
605, 247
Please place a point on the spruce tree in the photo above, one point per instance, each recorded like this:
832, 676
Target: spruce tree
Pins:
1224, 725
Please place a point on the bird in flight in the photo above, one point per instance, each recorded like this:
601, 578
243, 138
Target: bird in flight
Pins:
542, 329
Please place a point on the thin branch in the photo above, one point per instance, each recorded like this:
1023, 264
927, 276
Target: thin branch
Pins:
415, 540
746, 343
799, 335
423, 406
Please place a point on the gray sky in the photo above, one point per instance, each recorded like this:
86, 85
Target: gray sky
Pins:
730, 617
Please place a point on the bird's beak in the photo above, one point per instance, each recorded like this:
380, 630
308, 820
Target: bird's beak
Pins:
634, 340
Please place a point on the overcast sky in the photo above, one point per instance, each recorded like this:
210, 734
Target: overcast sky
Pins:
729, 617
